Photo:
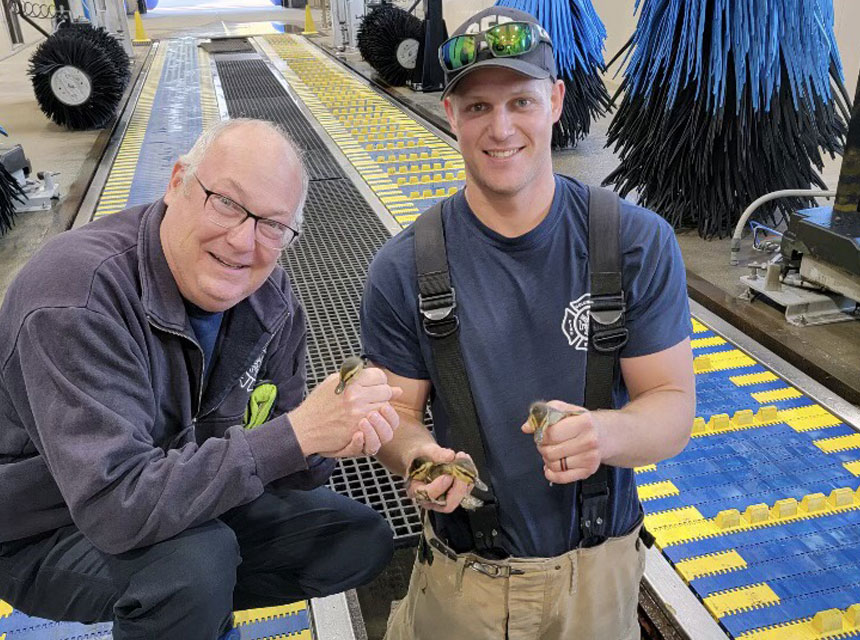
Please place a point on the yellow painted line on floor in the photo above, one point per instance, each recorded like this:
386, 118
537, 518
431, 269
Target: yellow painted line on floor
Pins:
5, 609
754, 596
775, 395
710, 565
686, 524
647, 467
853, 467
654, 490
118, 184
208, 101
250, 616
753, 378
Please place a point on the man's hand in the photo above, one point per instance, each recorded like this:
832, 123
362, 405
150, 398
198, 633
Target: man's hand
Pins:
572, 447
427, 495
355, 422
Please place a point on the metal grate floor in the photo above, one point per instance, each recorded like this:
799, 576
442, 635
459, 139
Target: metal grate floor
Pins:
248, 80
281, 110
328, 269
251, 91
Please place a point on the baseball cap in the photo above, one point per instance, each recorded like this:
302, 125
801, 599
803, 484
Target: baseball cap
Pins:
538, 63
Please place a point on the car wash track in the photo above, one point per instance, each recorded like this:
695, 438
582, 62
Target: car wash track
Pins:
757, 522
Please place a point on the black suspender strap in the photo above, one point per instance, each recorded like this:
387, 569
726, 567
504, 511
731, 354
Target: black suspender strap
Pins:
437, 303
607, 334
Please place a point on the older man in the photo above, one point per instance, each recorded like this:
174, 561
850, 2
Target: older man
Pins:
136, 485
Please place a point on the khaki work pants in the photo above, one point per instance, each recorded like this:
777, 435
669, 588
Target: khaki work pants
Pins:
585, 594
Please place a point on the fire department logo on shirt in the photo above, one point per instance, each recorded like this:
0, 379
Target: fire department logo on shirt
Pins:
576, 321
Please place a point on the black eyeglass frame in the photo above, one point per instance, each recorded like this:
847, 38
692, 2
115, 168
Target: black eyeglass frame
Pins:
209, 193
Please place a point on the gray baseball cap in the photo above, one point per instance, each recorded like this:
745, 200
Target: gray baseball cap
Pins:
538, 63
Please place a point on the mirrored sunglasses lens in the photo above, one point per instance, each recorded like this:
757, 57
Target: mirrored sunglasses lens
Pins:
458, 52
510, 39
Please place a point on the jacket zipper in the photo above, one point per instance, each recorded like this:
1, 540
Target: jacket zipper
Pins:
203, 358
202, 368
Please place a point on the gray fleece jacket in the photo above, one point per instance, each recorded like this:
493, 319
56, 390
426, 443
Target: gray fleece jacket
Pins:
102, 420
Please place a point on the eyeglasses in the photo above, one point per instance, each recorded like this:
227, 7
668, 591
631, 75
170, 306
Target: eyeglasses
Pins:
506, 40
229, 214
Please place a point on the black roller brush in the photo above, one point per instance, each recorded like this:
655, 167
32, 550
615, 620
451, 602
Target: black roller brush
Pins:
106, 41
76, 82
388, 39
10, 192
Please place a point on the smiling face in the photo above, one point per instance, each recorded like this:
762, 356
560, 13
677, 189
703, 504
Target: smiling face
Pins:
216, 268
503, 122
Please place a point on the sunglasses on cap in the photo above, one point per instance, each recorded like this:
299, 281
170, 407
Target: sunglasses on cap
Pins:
506, 40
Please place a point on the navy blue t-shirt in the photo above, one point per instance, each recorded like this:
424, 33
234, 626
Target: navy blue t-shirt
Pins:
521, 304
206, 325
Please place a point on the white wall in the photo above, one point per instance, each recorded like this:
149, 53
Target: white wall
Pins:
847, 29
30, 34
456, 12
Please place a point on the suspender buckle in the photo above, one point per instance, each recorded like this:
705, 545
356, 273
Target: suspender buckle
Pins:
438, 311
607, 310
607, 314
593, 511
484, 522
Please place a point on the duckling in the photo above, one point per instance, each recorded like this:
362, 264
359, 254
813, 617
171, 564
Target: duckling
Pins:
543, 416
425, 470
350, 368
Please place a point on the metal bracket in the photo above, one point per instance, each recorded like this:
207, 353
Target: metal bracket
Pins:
803, 307
40, 193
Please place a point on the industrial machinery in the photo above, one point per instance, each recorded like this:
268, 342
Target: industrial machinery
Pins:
402, 48
346, 17
11, 193
389, 39
20, 191
816, 274
80, 71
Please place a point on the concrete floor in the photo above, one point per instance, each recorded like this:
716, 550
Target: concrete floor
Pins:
172, 18
48, 146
